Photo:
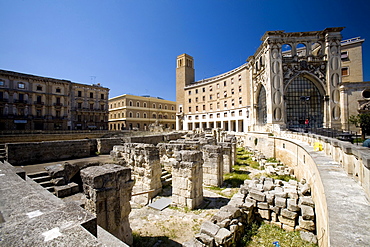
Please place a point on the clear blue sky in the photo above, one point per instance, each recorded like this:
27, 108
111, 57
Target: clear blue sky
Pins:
130, 46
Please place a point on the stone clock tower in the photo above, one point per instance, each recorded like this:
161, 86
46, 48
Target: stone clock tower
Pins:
184, 77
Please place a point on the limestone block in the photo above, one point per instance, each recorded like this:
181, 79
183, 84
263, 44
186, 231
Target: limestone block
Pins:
289, 214
308, 225
305, 190
193, 243
248, 206
257, 195
270, 198
307, 201
222, 236
263, 205
274, 216
205, 239
307, 212
225, 223
209, 228
251, 200
287, 221
281, 194
62, 191
292, 205
309, 237
275, 209
280, 202
268, 185
265, 214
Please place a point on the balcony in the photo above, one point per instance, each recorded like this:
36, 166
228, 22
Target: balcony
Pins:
58, 104
20, 101
38, 103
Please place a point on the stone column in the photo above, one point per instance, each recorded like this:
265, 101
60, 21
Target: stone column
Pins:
108, 191
187, 179
147, 171
226, 157
212, 166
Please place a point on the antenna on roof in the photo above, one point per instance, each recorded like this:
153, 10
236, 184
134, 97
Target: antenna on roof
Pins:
92, 79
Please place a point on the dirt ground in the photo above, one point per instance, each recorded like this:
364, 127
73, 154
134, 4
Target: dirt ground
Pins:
172, 226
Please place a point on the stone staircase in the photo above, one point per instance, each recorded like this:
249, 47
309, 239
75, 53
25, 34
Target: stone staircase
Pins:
2, 152
43, 179
166, 178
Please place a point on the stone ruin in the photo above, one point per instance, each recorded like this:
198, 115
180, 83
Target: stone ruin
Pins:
204, 163
108, 191
287, 205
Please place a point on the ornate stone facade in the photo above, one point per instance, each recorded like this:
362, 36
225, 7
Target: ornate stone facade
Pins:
292, 81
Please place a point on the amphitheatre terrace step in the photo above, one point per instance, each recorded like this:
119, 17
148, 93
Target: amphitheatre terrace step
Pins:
38, 174
42, 179
46, 184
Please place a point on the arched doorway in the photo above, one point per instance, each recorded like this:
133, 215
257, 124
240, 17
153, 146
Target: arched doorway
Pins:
304, 104
262, 106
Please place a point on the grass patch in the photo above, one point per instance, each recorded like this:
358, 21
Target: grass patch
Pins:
266, 234
236, 178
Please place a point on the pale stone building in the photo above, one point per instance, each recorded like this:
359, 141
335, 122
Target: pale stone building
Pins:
140, 112
293, 79
29, 102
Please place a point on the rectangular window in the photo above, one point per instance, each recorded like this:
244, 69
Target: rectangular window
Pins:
39, 88
91, 106
345, 71
204, 107
196, 99
101, 107
102, 96
225, 104
21, 85
189, 108
189, 100
210, 106
210, 97
225, 94
196, 108
21, 97
79, 105
224, 83
189, 92
2, 83
344, 56
58, 90
204, 98
79, 94
196, 91
204, 89
91, 95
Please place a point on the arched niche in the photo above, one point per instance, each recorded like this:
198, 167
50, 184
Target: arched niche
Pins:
301, 50
286, 50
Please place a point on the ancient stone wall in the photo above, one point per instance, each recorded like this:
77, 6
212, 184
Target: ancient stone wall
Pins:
213, 165
39, 152
144, 161
285, 204
105, 145
108, 191
187, 179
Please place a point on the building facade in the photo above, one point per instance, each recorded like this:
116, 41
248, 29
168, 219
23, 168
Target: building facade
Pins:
131, 112
29, 102
292, 81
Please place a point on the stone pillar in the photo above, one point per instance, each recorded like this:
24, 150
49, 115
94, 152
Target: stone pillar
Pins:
187, 179
147, 172
226, 157
213, 165
108, 191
